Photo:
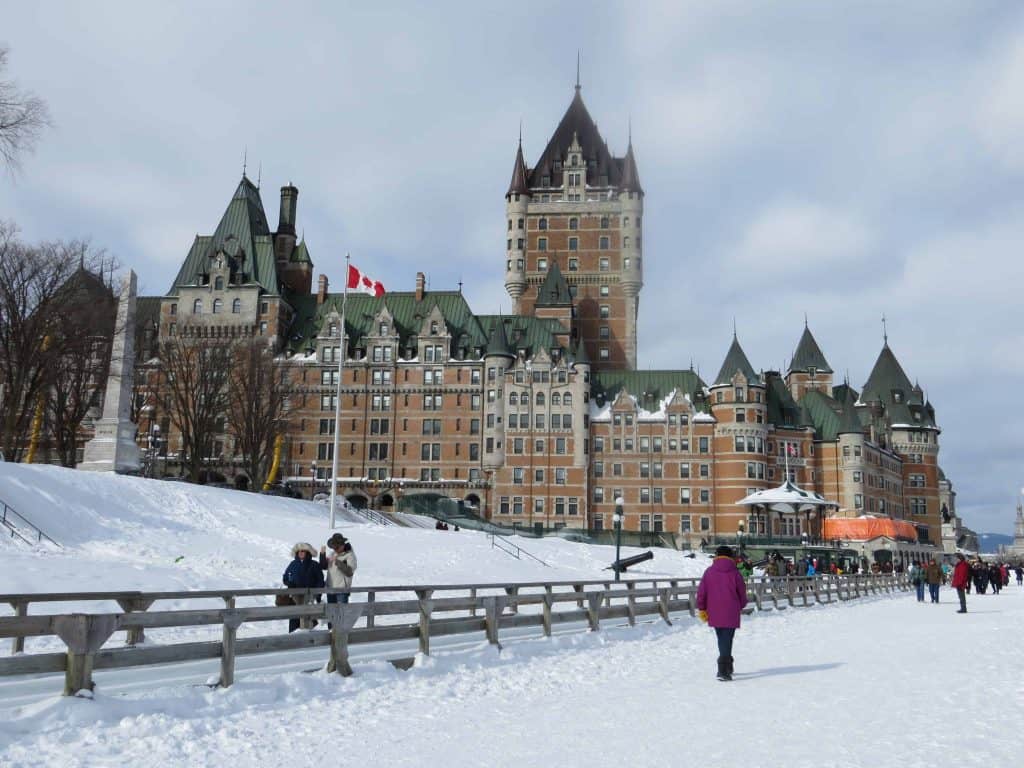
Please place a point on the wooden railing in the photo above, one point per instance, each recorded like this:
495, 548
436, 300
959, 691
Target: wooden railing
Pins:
470, 608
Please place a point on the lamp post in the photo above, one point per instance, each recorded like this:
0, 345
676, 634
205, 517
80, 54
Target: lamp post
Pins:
312, 479
617, 519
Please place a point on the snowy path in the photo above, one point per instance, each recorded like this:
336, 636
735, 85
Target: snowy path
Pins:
882, 682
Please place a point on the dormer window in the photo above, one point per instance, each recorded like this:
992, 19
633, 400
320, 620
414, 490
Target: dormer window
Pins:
332, 329
897, 396
218, 284
383, 329
433, 327
812, 371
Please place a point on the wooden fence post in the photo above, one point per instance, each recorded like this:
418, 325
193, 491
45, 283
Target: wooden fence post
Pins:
691, 601
472, 594
631, 603
579, 600
20, 609
513, 593
548, 597
759, 595
371, 607
232, 621
493, 607
594, 609
84, 634
426, 607
130, 605
342, 617
663, 597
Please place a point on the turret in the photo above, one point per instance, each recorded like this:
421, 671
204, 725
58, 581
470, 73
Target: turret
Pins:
517, 200
497, 358
284, 238
631, 200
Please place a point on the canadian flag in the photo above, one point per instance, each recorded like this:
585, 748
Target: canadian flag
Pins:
791, 449
357, 281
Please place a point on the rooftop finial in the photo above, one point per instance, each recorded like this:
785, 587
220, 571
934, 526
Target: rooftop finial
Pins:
734, 326
520, 132
259, 175
805, 319
245, 160
885, 331
578, 70
630, 131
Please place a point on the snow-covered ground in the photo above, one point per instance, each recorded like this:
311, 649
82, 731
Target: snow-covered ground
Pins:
882, 681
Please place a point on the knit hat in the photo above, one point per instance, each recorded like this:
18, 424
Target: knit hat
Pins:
723, 551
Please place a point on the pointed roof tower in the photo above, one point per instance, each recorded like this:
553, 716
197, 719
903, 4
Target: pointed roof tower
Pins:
736, 360
519, 173
497, 345
630, 176
849, 421
886, 376
576, 122
554, 291
808, 355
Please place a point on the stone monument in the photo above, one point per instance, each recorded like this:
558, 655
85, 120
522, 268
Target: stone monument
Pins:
113, 448
1016, 550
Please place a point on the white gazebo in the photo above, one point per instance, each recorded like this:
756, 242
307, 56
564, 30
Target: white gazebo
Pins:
788, 499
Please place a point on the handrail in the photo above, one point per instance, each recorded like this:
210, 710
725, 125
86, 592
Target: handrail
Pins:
7, 510
512, 549
85, 634
372, 515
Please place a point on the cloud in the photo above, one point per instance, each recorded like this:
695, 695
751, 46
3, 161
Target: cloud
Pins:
1000, 113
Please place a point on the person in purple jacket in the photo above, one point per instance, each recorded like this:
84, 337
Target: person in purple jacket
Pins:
721, 596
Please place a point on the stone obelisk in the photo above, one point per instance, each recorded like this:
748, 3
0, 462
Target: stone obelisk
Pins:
113, 448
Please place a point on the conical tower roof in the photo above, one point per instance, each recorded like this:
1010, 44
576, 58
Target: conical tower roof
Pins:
554, 291
519, 184
497, 345
630, 176
886, 376
736, 360
576, 122
809, 355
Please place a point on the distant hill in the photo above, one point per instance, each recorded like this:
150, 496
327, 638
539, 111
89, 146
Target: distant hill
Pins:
990, 542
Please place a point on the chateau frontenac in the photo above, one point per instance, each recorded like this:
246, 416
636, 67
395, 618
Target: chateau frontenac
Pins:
541, 417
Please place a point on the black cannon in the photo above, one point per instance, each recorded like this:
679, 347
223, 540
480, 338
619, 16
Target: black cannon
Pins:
620, 566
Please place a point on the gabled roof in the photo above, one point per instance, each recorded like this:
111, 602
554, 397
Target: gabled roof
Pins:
577, 122
519, 173
554, 291
656, 385
532, 334
244, 235
736, 360
808, 355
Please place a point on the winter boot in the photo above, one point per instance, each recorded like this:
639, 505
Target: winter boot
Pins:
728, 667
723, 668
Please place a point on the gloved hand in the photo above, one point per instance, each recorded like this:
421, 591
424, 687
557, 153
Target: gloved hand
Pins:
703, 616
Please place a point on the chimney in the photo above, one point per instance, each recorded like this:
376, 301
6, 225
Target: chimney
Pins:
286, 218
420, 285
321, 290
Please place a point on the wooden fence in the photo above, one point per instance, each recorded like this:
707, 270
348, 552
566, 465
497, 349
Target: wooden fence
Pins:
467, 608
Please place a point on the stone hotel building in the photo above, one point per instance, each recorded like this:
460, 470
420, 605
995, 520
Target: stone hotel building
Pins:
541, 417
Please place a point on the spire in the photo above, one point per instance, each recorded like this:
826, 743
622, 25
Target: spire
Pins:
630, 176
580, 356
578, 86
808, 354
885, 331
518, 185
554, 291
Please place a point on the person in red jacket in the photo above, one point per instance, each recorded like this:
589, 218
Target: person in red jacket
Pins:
721, 596
961, 579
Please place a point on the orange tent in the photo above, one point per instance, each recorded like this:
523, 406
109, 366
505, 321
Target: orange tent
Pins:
864, 528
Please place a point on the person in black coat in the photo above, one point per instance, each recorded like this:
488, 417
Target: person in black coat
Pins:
303, 572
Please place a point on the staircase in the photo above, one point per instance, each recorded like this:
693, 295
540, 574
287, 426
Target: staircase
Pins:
373, 516
20, 527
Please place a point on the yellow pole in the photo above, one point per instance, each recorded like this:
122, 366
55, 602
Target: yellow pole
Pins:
278, 442
37, 419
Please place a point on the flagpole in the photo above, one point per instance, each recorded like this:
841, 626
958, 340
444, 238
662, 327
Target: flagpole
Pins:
337, 403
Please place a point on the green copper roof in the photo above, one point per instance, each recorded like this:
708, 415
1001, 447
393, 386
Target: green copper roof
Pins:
808, 355
904, 402
782, 409
244, 236
300, 254
649, 387
554, 291
736, 360
821, 411
530, 333
849, 419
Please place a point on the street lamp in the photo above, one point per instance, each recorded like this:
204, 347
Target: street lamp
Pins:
312, 479
740, 530
617, 519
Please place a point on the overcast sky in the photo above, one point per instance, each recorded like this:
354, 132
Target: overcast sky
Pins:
843, 160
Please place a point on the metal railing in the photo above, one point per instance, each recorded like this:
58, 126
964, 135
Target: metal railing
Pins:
436, 610
507, 546
20, 527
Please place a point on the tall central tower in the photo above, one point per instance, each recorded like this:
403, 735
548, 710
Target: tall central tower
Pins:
582, 209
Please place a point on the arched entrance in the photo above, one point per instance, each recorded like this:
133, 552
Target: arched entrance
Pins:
387, 501
473, 503
358, 501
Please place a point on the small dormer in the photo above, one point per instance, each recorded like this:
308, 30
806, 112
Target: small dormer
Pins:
575, 168
384, 323
434, 325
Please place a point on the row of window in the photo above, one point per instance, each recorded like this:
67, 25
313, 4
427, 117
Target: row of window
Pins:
651, 444
514, 505
651, 495
618, 419
574, 222
519, 475
557, 398
427, 474
654, 469
522, 421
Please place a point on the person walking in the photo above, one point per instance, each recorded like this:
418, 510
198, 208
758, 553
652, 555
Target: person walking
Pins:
916, 574
340, 566
995, 578
721, 597
961, 580
933, 575
1019, 572
303, 572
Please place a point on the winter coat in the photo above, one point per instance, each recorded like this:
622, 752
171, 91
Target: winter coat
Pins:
961, 575
933, 573
333, 563
916, 574
303, 574
722, 593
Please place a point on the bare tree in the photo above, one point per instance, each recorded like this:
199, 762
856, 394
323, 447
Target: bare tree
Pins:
35, 329
23, 116
192, 391
257, 404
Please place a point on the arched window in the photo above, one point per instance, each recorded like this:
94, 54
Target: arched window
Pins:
218, 305
218, 284
542, 224
197, 307
567, 399
540, 398
236, 306
513, 398
556, 399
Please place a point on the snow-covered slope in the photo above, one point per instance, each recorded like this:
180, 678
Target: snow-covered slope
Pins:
134, 533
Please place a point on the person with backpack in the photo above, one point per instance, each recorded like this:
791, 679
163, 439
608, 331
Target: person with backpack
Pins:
933, 576
721, 597
916, 575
